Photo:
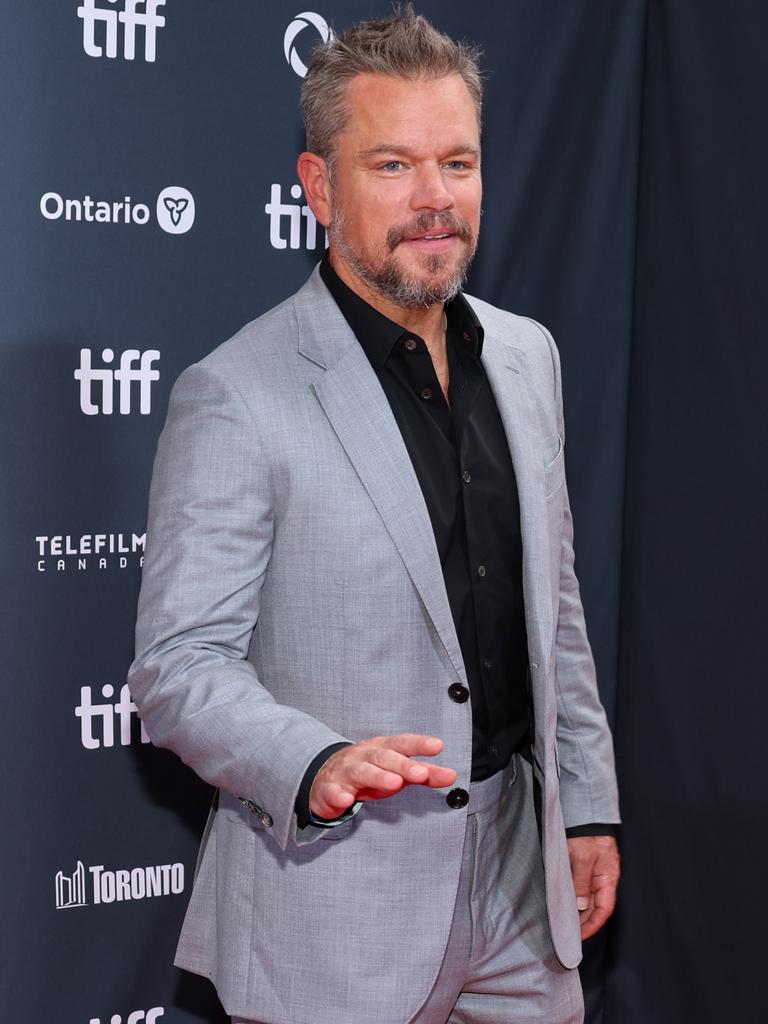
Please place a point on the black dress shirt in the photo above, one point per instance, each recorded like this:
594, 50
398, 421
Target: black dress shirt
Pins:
461, 458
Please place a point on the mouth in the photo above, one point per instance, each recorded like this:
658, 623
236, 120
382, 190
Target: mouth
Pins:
429, 235
432, 240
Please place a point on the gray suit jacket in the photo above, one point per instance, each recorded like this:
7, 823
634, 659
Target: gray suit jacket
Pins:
293, 597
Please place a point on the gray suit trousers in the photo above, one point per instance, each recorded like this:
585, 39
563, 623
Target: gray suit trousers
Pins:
499, 966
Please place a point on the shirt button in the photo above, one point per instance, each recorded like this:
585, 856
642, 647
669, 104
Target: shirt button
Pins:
426, 392
486, 663
481, 570
410, 344
466, 476
458, 693
457, 798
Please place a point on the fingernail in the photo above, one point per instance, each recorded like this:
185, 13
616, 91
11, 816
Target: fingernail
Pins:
582, 903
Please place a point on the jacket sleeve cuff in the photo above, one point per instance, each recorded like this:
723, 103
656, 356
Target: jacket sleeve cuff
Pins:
590, 830
303, 815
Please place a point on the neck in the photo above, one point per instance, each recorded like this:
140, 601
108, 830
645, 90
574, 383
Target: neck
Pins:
426, 321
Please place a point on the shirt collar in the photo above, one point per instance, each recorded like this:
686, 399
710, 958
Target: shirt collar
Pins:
378, 334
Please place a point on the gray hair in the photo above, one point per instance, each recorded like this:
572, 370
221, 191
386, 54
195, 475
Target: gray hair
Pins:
403, 46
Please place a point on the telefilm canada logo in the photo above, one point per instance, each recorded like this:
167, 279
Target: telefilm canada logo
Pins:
301, 22
65, 552
292, 225
97, 885
105, 26
174, 210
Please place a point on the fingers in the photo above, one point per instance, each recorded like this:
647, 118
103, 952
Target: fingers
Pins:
413, 772
375, 769
595, 869
330, 800
581, 869
391, 760
411, 744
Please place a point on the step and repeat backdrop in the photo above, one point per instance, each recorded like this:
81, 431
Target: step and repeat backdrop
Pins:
150, 208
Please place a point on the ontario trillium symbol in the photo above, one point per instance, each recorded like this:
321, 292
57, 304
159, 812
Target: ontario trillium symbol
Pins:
175, 208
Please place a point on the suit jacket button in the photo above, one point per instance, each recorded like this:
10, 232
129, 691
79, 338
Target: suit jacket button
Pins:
457, 798
458, 693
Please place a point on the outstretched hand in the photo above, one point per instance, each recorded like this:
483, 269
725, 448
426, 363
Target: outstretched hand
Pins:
375, 769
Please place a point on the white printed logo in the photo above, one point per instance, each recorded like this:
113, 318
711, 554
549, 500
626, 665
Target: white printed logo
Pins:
70, 889
278, 211
299, 23
137, 1017
123, 709
131, 18
119, 886
175, 210
54, 206
106, 550
127, 375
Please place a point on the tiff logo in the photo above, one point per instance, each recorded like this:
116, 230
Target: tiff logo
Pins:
70, 889
278, 212
88, 712
131, 18
137, 1017
126, 376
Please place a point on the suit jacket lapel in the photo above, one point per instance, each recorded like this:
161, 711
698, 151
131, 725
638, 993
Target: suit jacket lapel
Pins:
507, 370
352, 399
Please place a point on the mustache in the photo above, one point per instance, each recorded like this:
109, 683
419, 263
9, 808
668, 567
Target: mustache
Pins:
430, 222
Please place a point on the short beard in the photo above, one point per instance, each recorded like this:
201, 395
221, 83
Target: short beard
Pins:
390, 280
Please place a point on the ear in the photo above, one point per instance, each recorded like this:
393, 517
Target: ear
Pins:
313, 175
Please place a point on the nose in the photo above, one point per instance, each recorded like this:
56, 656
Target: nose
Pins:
430, 191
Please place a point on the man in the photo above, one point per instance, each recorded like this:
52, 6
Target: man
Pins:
359, 555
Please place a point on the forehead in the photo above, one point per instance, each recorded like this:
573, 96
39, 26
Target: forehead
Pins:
421, 113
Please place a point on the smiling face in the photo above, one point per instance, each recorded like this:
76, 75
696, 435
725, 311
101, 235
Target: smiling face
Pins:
405, 199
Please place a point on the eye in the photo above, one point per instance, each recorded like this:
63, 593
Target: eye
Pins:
391, 165
457, 165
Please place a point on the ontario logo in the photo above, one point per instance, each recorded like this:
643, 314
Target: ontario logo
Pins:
174, 210
96, 885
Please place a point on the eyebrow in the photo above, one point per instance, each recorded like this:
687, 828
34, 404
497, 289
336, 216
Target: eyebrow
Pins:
383, 148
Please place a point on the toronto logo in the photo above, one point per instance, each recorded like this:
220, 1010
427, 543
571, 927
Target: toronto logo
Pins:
70, 889
122, 885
